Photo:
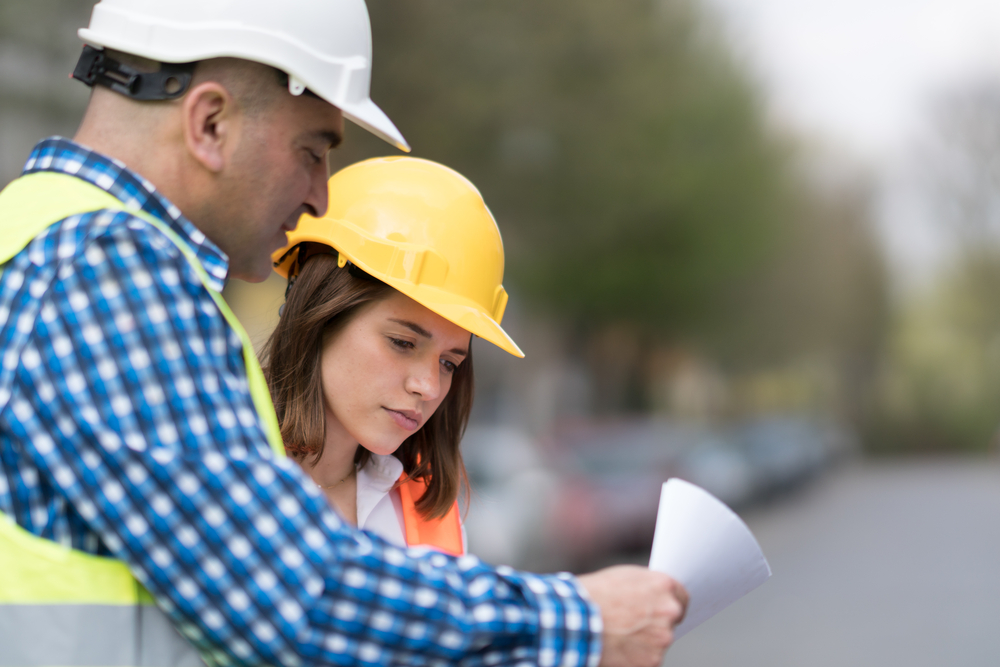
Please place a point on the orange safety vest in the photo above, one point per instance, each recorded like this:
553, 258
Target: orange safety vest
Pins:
444, 534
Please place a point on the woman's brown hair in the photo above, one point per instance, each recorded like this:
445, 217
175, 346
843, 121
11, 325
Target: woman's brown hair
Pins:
322, 300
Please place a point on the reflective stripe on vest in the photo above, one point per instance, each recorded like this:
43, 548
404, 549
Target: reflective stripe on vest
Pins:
60, 607
444, 534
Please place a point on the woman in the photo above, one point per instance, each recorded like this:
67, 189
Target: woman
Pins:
370, 366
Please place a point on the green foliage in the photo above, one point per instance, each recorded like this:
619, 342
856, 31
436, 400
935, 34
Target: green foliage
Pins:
940, 385
639, 189
620, 147
823, 293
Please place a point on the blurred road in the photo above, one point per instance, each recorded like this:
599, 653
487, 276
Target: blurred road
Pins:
876, 564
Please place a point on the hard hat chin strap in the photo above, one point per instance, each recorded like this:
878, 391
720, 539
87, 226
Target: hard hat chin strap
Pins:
95, 67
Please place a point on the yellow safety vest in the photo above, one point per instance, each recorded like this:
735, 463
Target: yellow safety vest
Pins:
60, 607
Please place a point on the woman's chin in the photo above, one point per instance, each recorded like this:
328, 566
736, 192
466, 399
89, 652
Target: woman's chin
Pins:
382, 447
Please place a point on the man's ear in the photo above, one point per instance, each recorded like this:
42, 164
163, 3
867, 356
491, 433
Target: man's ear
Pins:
211, 125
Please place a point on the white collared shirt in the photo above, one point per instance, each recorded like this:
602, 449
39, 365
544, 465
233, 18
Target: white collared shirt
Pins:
379, 508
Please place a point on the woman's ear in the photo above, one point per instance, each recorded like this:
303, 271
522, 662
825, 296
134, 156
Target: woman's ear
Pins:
211, 125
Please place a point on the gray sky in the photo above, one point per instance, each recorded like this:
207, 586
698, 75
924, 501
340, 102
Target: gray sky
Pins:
855, 78
858, 73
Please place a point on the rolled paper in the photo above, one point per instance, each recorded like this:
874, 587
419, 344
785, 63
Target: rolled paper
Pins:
706, 547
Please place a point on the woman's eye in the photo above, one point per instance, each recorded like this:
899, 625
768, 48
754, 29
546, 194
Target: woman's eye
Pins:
449, 366
401, 344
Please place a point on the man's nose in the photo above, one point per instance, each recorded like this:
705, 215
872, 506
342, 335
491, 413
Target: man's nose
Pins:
318, 197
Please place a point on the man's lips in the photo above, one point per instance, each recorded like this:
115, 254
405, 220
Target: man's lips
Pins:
405, 419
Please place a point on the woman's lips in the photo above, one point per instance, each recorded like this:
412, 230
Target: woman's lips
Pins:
405, 419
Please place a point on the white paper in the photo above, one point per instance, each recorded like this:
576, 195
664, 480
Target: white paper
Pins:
703, 544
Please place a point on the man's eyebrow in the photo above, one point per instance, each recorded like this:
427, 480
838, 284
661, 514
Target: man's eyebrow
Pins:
420, 331
330, 137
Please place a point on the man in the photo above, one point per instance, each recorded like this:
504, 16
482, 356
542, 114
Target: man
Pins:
132, 423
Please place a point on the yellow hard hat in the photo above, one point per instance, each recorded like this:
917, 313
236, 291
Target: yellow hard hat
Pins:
421, 228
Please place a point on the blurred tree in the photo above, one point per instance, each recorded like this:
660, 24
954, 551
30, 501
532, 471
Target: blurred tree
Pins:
822, 299
621, 148
963, 166
942, 379
641, 194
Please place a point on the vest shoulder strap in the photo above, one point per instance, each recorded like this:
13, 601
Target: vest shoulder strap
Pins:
444, 534
32, 203
28, 207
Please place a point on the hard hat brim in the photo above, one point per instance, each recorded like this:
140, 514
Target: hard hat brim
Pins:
470, 318
368, 116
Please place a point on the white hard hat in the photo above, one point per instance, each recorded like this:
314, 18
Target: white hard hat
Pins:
323, 45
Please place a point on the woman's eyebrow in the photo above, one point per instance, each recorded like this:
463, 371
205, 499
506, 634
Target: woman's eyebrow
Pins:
420, 331
414, 327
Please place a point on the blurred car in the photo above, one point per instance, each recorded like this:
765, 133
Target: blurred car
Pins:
788, 450
593, 489
512, 492
612, 474
715, 461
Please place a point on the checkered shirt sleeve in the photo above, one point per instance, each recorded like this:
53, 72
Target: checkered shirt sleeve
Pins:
127, 429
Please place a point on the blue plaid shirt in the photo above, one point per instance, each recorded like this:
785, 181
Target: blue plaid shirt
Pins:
127, 429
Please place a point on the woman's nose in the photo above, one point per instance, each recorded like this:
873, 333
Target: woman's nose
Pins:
425, 380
